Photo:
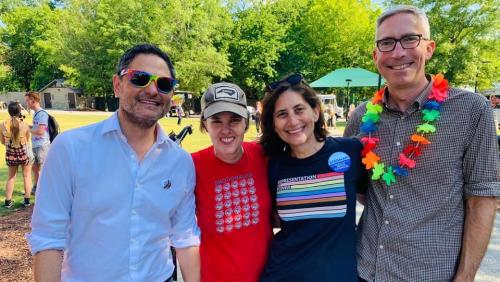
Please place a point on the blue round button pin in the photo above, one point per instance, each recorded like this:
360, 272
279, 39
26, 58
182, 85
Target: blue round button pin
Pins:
339, 162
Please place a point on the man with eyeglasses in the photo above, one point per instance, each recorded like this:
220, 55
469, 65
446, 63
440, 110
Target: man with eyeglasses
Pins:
433, 159
114, 196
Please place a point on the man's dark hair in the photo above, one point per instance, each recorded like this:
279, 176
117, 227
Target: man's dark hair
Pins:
14, 109
271, 142
144, 48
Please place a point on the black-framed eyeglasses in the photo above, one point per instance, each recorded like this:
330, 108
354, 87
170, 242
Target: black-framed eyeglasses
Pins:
407, 42
292, 79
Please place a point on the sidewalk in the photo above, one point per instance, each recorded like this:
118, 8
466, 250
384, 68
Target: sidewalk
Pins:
490, 267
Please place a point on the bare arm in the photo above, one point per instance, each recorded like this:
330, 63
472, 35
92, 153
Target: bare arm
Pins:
479, 217
2, 138
189, 261
28, 134
47, 266
39, 130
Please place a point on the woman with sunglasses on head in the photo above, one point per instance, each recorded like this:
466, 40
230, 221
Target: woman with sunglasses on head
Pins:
15, 135
313, 181
233, 205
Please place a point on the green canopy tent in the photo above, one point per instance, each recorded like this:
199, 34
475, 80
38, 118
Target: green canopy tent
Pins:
349, 77
352, 77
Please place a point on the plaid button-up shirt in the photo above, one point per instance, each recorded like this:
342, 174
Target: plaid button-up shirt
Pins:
412, 230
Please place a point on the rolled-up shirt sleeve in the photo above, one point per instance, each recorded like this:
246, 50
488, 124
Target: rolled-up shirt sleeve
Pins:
185, 231
51, 215
481, 160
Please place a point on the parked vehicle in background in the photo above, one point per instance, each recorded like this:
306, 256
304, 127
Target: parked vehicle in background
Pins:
331, 99
182, 99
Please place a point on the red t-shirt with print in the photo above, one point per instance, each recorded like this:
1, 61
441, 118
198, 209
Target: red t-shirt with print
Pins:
233, 207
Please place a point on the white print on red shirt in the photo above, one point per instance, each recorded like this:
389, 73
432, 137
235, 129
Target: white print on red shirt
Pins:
236, 203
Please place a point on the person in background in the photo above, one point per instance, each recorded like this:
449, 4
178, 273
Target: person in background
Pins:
40, 138
115, 195
331, 122
258, 114
313, 180
352, 107
15, 135
180, 112
434, 164
233, 204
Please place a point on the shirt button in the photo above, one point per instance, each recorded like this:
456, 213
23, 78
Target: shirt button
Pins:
134, 212
386, 222
398, 143
381, 246
402, 118
391, 197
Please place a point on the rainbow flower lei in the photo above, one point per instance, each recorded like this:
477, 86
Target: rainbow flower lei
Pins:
430, 114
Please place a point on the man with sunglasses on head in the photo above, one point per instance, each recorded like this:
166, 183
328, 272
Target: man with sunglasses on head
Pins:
433, 163
114, 196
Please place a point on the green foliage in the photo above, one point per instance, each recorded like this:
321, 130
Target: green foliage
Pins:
198, 39
330, 34
250, 42
273, 39
256, 45
23, 28
93, 34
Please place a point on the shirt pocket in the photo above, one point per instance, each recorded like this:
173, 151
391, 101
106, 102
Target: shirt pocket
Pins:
315, 196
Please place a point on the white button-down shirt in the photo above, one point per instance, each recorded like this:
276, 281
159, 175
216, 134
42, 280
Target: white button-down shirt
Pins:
114, 217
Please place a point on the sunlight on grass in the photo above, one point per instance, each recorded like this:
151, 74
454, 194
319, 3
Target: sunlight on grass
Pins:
69, 120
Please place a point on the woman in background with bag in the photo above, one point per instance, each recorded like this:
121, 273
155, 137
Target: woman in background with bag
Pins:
15, 135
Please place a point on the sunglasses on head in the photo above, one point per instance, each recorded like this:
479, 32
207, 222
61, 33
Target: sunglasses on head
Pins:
293, 79
142, 79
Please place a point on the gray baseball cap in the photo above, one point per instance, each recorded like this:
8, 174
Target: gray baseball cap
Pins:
224, 97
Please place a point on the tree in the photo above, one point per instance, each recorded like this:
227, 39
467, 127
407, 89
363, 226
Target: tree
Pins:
93, 35
274, 38
255, 48
23, 28
198, 40
330, 34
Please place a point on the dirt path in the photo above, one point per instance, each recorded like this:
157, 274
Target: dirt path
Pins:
15, 258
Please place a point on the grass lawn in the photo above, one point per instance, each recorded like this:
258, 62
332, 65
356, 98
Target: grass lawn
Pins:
68, 120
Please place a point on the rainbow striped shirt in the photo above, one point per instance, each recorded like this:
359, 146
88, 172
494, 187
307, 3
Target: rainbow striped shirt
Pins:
314, 196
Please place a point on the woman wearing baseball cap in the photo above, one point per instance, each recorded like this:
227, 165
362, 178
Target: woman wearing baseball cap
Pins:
233, 204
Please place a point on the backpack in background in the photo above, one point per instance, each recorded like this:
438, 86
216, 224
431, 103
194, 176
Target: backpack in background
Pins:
52, 125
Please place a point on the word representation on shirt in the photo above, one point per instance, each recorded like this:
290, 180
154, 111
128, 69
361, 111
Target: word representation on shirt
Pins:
314, 196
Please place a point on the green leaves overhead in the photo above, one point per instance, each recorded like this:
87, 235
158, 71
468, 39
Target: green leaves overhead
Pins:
89, 36
248, 42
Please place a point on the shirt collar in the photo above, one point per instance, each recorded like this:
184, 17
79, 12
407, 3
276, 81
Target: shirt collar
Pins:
421, 98
112, 124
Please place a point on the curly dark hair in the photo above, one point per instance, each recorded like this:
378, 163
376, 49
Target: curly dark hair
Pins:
271, 142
